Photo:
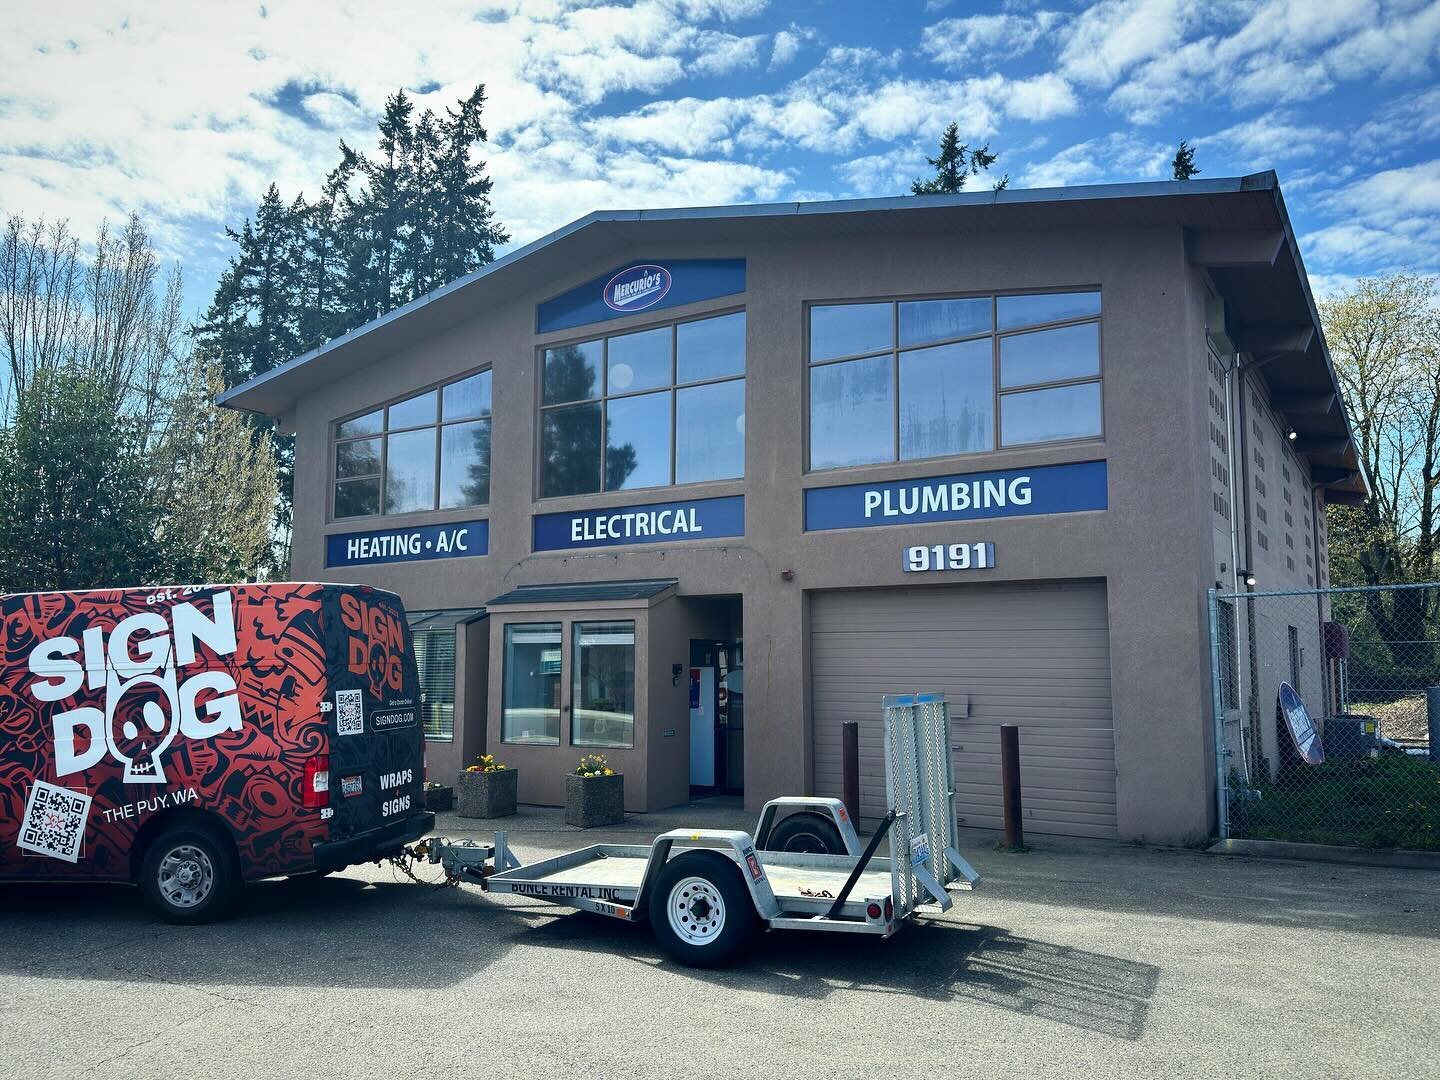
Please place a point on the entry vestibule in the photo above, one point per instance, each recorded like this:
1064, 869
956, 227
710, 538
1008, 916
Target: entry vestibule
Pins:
604, 668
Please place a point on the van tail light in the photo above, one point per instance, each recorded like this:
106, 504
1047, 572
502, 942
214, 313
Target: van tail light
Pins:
316, 791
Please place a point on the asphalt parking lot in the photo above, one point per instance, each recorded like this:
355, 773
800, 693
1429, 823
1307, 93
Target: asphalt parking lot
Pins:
1077, 959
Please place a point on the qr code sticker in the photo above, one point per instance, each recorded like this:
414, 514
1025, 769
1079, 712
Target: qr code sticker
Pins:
55, 821
349, 712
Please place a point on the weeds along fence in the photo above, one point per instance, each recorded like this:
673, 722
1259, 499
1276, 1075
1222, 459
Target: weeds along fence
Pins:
1360, 766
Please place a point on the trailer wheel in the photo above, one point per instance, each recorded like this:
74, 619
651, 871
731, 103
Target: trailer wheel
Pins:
701, 912
808, 833
187, 875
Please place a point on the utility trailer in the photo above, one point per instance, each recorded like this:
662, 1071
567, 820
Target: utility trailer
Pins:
706, 891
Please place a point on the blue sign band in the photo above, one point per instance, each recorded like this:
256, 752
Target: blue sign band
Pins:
641, 286
1045, 489
655, 523
456, 540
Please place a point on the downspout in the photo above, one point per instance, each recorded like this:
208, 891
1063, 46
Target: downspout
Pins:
1241, 443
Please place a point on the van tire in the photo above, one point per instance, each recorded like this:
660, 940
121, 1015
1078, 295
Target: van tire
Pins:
806, 832
701, 911
188, 876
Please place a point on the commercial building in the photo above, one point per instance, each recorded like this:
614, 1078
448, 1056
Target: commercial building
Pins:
692, 488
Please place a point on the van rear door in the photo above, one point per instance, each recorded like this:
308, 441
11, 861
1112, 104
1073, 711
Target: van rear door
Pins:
377, 755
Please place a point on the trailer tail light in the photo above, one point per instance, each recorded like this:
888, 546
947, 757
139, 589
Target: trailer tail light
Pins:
316, 790
873, 910
889, 910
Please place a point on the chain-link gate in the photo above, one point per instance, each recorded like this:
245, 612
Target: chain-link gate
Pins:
1365, 662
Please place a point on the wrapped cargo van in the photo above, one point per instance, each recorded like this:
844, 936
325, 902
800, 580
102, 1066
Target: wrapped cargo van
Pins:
190, 739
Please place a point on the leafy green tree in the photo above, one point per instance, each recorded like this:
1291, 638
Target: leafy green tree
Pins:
1182, 166
216, 479
77, 510
954, 166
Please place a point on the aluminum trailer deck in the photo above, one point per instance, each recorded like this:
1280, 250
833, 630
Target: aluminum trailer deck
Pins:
706, 891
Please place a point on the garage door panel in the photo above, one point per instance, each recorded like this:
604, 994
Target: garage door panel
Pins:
1036, 656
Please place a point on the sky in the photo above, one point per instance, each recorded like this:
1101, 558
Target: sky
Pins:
185, 112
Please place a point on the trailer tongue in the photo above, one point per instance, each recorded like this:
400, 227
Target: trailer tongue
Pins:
706, 891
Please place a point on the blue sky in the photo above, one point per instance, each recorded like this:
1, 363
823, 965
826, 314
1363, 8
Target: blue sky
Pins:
186, 111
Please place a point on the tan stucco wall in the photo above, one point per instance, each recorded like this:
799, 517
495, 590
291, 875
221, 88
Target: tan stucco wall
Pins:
1153, 546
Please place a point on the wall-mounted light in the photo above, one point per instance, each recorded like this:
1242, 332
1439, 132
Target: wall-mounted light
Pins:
1292, 434
1248, 577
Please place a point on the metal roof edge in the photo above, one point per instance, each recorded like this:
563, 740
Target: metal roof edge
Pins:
1304, 276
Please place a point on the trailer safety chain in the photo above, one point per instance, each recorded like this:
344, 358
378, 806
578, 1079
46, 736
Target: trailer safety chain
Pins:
406, 859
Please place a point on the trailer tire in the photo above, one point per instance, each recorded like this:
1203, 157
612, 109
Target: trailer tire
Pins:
701, 911
189, 876
806, 832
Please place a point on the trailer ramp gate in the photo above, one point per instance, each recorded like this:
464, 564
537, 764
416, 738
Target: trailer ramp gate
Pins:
920, 788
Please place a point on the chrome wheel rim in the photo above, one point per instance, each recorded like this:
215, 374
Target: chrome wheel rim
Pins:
696, 910
187, 876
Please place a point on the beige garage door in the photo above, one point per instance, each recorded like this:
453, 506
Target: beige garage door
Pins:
1036, 655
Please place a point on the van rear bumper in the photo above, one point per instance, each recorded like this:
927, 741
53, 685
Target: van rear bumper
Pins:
373, 843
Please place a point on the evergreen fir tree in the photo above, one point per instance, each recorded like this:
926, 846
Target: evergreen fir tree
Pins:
471, 234
1183, 165
379, 217
324, 309
955, 165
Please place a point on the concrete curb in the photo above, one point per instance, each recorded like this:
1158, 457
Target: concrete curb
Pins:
1279, 849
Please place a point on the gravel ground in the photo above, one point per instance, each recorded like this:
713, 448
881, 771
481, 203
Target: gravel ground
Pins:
1077, 959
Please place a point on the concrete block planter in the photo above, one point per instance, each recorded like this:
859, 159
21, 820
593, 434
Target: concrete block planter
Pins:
488, 794
594, 800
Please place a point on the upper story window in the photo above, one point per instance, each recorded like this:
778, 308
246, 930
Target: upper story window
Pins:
899, 380
430, 451
644, 409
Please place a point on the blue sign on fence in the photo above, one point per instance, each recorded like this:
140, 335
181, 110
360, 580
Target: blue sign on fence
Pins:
658, 523
453, 541
1045, 489
640, 287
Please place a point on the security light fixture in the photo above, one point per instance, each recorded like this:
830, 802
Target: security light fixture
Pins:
1292, 434
1248, 577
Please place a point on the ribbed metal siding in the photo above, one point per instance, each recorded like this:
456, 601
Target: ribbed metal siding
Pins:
1037, 656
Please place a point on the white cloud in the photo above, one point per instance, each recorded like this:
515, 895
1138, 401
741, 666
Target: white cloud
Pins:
720, 53
1274, 137
1122, 155
1110, 38
983, 40
788, 43
1384, 222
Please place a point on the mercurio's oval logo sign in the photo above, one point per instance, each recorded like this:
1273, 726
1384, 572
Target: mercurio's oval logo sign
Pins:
637, 287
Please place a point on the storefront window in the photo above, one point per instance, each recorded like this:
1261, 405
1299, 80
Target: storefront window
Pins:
646, 409
430, 451
915, 379
531, 694
435, 659
604, 699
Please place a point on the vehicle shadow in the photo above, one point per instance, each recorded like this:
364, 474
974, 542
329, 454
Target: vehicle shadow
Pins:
340, 931
934, 960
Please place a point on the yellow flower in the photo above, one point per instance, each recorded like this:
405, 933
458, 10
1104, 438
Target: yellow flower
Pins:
609, 772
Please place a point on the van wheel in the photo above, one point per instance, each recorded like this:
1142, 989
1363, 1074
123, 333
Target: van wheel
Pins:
701, 912
187, 876
808, 833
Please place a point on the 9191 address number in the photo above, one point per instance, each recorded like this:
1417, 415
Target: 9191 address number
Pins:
979, 556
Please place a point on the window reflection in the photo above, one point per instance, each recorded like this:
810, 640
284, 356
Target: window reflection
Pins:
604, 672
1060, 412
849, 329
530, 702
946, 400
1069, 352
852, 413
695, 370
637, 442
710, 432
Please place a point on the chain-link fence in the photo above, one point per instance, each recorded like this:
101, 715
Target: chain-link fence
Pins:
1360, 763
